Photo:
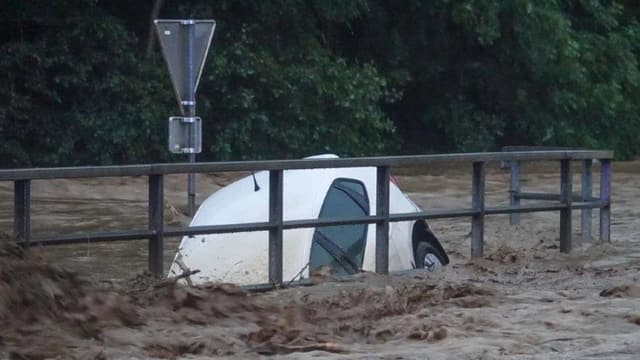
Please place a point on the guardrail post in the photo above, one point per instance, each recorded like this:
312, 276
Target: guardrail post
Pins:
22, 212
382, 226
514, 190
477, 200
565, 198
156, 223
275, 219
605, 199
587, 193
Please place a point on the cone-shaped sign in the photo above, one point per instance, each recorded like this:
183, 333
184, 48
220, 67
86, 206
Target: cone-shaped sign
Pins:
185, 44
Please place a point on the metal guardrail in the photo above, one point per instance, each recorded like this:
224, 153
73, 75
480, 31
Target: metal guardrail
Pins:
156, 231
581, 200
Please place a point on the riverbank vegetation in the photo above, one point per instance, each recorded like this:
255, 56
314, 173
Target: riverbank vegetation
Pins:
83, 81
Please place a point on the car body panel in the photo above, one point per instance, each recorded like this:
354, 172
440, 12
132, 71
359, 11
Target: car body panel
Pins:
242, 258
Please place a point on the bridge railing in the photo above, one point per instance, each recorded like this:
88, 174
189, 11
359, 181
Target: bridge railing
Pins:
564, 201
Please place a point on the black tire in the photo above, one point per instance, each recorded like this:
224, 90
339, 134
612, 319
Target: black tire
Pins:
428, 257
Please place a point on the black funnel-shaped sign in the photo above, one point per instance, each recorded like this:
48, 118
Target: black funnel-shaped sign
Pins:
185, 44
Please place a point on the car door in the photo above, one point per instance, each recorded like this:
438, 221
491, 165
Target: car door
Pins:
342, 246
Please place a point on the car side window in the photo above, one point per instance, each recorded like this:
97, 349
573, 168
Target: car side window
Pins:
341, 247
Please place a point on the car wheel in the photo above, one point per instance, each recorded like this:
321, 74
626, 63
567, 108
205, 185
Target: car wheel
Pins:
428, 257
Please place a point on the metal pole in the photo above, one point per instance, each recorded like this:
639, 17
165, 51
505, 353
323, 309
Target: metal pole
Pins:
587, 193
22, 212
156, 223
514, 190
605, 198
276, 232
382, 226
565, 213
189, 106
477, 200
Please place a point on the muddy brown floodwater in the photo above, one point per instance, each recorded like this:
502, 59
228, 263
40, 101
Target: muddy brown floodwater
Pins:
523, 300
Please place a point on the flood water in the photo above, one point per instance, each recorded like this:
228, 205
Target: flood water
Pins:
522, 300
102, 204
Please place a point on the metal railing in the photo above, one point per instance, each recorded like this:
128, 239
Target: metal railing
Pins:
564, 201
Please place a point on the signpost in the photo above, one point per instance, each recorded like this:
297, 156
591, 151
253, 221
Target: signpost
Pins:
185, 44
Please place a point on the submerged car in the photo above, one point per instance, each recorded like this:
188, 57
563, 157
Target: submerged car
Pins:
242, 258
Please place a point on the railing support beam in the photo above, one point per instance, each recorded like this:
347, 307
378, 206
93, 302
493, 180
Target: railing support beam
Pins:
22, 212
586, 189
605, 199
477, 202
382, 226
566, 199
156, 224
276, 232
514, 190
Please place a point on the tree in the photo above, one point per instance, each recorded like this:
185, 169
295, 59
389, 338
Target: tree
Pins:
272, 89
293, 78
76, 92
477, 74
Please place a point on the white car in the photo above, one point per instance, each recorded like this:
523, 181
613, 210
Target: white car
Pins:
242, 258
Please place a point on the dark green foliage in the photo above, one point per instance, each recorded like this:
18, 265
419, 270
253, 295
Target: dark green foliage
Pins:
75, 91
293, 78
281, 93
478, 74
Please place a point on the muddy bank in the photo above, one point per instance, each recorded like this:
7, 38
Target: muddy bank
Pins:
49, 312
496, 307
